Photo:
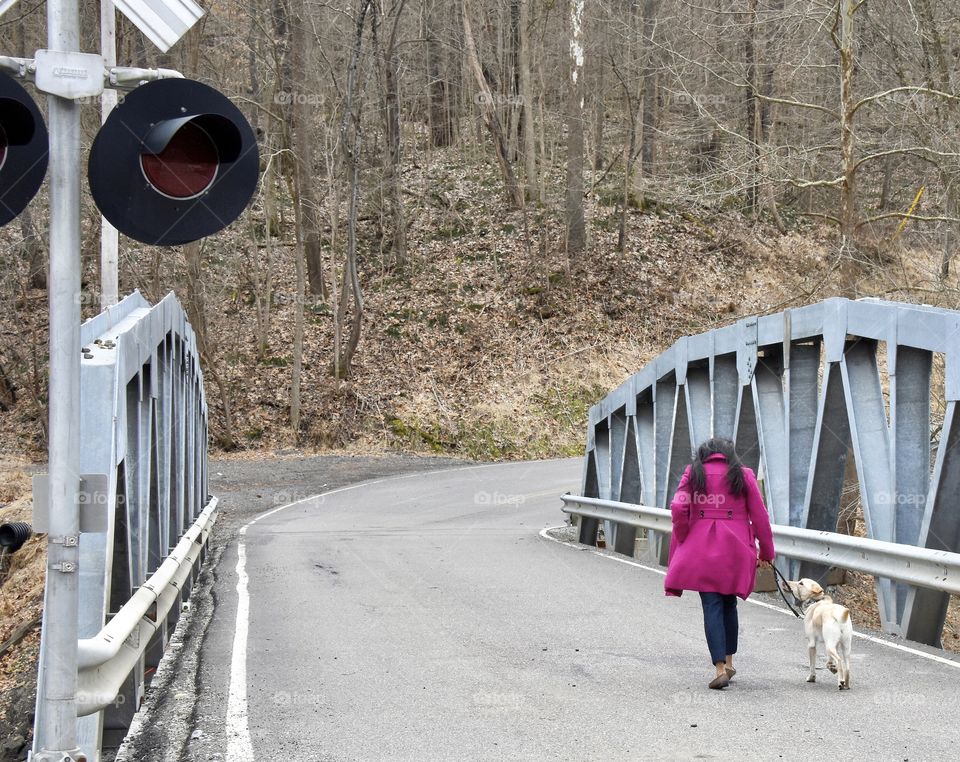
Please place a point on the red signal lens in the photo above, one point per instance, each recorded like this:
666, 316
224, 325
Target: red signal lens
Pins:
186, 167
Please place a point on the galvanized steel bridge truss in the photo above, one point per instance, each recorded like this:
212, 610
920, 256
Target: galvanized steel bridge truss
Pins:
143, 426
799, 392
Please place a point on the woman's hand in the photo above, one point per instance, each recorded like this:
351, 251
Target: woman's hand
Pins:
764, 564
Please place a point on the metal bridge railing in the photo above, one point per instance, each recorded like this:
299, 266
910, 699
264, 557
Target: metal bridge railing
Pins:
922, 567
802, 393
145, 514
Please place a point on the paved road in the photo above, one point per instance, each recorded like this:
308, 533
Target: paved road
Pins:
426, 618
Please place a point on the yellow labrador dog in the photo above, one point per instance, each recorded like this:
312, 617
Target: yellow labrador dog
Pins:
826, 622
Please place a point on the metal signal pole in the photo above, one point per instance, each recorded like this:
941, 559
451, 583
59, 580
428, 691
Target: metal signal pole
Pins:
56, 729
109, 237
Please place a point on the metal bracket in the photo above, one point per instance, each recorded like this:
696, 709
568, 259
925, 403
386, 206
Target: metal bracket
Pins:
69, 541
17, 67
67, 74
93, 503
67, 567
79, 76
43, 755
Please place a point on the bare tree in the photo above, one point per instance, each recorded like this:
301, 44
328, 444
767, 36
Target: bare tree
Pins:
488, 111
526, 104
350, 305
576, 225
389, 75
439, 85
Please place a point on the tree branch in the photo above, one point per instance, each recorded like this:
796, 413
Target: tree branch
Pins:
885, 93
813, 183
901, 215
910, 151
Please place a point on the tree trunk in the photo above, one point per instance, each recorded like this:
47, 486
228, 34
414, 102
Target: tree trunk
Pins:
649, 97
599, 105
526, 104
441, 123
389, 70
488, 111
197, 315
301, 46
751, 102
576, 226
33, 251
296, 364
937, 67
351, 154
512, 80
264, 295
846, 9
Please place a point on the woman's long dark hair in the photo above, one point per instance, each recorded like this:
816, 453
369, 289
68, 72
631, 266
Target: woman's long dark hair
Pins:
734, 467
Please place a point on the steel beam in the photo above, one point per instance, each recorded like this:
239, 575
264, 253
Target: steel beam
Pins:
925, 610
870, 436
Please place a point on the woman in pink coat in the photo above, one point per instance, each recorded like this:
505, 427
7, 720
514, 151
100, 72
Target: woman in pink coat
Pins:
718, 517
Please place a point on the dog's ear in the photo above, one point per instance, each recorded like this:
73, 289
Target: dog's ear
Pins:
815, 587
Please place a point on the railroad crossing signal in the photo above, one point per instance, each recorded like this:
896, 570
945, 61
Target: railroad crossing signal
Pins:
23, 149
185, 156
174, 162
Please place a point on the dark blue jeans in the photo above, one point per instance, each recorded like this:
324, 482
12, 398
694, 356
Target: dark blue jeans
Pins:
720, 624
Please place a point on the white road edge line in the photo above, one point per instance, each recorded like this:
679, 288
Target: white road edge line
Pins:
239, 742
764, 604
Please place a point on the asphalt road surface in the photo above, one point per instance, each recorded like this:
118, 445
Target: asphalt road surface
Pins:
425, 617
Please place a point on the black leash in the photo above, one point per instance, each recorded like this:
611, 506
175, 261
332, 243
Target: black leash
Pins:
780, 587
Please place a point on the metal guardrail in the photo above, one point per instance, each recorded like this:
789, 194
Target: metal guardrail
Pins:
145, 514
106, 659
922, 567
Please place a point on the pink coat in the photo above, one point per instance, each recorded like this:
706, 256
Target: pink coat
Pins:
713, 547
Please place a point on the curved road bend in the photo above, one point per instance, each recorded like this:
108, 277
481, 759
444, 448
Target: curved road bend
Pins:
425, 618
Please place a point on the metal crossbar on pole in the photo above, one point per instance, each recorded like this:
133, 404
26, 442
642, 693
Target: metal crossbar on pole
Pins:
109, 237
932, 569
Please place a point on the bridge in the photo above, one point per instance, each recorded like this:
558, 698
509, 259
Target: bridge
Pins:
449, 612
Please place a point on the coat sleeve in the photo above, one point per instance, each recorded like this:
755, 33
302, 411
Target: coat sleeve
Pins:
680, 511
759, 517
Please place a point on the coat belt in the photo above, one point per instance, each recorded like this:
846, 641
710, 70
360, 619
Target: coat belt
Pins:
717, 513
